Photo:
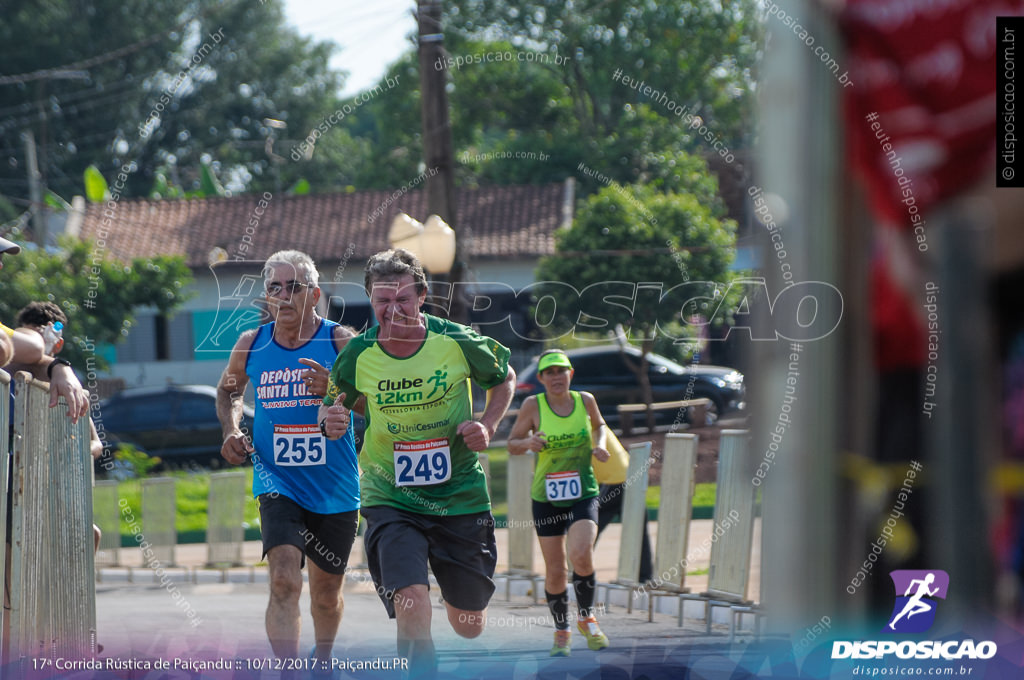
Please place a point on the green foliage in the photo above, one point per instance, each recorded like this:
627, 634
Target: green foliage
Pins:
96, 190
704, 55
377, 145
155, 104
300, 188
55, 202
138, 462
676, 342
208, 184
535, 120
700, 56
8, 212
624, 236
633, 235
164, 189
98, 295
189, 127
703, 495
192, 490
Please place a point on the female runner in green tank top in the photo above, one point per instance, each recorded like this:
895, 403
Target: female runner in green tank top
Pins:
564, 429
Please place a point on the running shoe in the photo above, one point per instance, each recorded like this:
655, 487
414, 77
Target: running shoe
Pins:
561, 647
595, 638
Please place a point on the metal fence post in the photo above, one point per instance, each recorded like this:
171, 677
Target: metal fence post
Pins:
107, 516
520, 514
225, 514
678, 479
729, 573
158, 515
634, 507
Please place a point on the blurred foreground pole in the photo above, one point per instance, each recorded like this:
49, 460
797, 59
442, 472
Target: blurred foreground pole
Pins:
800, 141
960, 439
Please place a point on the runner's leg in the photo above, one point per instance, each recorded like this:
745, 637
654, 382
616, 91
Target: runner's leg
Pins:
326, 605
468, 624
282, 617
412, 613
581, 553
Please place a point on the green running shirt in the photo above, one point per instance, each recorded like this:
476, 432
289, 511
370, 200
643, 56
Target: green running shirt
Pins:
564, 474
411, 458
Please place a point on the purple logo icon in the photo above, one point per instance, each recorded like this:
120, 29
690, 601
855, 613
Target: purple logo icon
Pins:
916, 593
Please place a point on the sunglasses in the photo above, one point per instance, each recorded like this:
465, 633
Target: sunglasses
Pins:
275, 288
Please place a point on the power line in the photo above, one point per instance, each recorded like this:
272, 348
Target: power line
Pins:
74, 97
79, 140
80, 66
66, 115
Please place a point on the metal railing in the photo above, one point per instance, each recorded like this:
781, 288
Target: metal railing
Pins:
52, 593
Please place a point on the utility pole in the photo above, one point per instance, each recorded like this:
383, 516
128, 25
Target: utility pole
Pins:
36, 181
438, 152
35, 192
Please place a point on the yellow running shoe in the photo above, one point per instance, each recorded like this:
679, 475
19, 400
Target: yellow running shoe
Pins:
561, 647
595, 638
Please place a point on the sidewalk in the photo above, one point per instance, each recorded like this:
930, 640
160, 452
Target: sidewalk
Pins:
606, 555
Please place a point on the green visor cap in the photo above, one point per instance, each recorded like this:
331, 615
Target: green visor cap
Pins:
553, 359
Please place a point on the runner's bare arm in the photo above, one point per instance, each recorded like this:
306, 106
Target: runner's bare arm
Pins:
315, 379
230, 390
477, 433
597, 425
523, 437
342, 334
335, 418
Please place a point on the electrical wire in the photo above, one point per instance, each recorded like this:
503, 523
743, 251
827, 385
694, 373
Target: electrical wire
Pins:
49, 73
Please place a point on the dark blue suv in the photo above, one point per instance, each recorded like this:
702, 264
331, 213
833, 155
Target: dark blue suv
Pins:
603, 372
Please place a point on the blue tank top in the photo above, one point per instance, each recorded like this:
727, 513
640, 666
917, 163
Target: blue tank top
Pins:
292, 458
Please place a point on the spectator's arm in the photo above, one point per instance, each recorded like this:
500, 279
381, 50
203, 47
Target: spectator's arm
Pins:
6, 350
29, 356
28, 351
64, 383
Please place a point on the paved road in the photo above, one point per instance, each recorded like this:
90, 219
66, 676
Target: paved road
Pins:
148, 622
183, 624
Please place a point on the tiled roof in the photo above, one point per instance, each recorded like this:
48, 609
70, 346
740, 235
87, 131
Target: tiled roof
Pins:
492, 222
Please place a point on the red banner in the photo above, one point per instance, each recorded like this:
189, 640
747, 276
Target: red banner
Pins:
921, 112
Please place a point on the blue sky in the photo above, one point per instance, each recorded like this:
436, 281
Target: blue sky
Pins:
370, 34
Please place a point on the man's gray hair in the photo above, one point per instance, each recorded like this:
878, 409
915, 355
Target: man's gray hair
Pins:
391, 264
301, 261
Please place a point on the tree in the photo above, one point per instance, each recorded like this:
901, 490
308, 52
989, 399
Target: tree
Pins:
497, 108
703, 56
557, 103
97, 295
626, 236
161, 83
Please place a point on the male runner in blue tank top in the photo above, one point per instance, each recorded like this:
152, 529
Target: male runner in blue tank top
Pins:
307, 486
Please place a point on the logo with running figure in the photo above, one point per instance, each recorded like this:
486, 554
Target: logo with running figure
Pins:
916, 594
440, 382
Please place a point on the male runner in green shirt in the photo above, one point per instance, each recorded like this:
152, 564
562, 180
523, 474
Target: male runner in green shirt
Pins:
424, 495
